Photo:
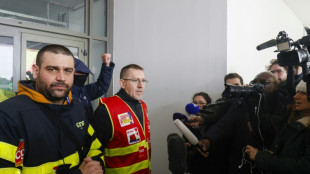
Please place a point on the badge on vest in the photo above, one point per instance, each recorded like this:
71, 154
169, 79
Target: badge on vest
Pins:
125, 119
133, 135
19, 155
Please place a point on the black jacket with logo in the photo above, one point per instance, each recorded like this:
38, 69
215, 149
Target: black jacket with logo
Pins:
23, 118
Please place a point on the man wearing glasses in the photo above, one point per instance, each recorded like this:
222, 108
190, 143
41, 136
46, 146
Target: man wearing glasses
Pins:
123, 125
276, 69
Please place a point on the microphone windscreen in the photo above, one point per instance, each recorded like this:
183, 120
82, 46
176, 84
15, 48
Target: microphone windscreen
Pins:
177, 153
267, 44
192, 108
180, 116
186, 132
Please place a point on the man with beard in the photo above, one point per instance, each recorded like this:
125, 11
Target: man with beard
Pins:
123, 126
42, 129
250, 121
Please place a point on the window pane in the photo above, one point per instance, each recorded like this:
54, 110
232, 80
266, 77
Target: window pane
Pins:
99, 47
31, 54
66, 14
6, 63
100, 17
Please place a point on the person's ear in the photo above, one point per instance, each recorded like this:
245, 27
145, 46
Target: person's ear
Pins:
35, 71
122, 83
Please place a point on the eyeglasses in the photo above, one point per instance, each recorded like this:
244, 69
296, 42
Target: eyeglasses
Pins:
137, 81
278, 71
199, 103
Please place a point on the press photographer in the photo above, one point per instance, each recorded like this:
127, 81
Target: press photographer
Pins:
249, 121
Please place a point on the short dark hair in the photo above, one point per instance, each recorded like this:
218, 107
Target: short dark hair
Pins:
274, 62
125, 69
204, 95
54, 48
233, 76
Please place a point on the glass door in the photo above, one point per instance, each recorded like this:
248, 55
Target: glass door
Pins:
32, 43
9, 59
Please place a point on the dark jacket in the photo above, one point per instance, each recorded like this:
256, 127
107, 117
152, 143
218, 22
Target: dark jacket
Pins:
24, 118
102, 122
241, 126
87, 93
291, 152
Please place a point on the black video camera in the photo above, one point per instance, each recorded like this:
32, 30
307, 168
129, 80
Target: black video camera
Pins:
292, 54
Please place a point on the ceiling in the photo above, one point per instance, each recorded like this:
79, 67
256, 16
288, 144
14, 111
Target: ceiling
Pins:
301, 8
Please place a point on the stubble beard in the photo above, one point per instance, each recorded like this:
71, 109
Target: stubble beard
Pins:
49, 93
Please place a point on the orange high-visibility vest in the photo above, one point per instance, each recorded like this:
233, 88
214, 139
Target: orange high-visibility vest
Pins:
129, 149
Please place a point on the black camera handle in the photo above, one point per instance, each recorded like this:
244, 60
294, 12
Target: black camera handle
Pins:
290, 81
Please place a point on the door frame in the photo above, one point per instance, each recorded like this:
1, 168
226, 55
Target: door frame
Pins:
49, 38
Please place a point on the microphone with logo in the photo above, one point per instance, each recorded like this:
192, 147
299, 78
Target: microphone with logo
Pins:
192, 109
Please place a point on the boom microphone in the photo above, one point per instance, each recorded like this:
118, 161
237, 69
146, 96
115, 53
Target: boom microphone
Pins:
186, 132
267, 44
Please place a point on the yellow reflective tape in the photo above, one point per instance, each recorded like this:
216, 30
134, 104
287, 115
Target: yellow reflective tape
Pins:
125, 150
95, 144
7, 151
92, 153
129, 169
90, 130
10, 171
48, 167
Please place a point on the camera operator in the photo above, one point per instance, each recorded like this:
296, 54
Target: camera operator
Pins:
290, 151
249, 121
282, 76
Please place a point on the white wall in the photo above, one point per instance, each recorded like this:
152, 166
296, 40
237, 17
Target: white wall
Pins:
182, 46
250, 23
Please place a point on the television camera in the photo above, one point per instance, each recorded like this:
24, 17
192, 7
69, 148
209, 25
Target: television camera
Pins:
292, 53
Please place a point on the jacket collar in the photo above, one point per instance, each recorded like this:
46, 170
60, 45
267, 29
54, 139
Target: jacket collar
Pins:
27, 87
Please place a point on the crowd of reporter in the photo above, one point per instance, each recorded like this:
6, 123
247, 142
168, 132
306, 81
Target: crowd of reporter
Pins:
257, 131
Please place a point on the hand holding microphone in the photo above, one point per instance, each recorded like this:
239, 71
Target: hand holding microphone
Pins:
181, 117
200, 146
194, 120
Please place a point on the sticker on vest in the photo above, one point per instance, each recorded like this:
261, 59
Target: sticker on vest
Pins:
125, 119
133, 135
19, 155
141, 152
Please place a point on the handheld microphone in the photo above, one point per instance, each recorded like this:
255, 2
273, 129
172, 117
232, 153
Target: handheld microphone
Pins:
267, 44
181, 117
192, 108
186, 132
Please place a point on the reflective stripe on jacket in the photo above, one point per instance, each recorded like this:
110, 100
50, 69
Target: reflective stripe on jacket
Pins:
46, 147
